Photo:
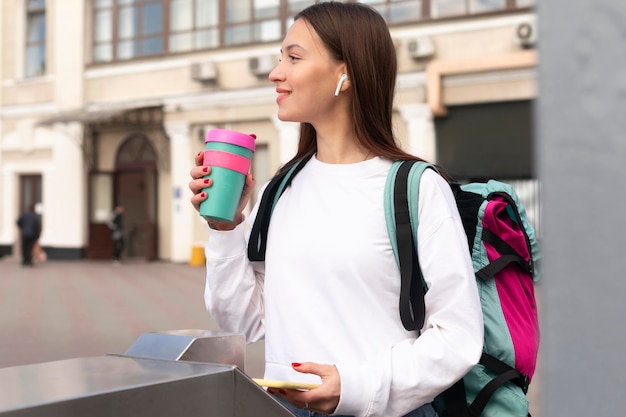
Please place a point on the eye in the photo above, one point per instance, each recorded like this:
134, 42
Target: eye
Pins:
293, 58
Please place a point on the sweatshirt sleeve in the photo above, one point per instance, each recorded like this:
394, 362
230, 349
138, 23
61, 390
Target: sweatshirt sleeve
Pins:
233, 292
413, 371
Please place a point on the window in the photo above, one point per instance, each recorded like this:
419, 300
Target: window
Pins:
127, 29
259, 20
35, 38
130, 29
401, 11
445, 8
193, 25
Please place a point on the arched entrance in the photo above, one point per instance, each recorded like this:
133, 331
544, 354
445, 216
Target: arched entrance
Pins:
135, 188
133, 184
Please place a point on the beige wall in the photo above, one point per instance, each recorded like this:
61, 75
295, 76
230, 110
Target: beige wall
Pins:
166, 77
28, 92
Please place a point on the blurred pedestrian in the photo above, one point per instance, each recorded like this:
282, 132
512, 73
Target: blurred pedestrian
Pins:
116, 224
30, 229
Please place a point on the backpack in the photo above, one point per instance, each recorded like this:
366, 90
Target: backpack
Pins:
504, 252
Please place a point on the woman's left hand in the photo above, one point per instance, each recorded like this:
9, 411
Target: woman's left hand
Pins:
323, 399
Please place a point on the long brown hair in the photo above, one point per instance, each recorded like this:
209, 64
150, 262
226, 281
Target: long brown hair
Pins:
358, 36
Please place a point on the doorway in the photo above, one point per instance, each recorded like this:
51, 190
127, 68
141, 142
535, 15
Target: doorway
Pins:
133, 185
136, 191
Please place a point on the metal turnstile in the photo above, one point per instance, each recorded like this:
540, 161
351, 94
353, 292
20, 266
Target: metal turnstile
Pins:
137, 385
191, 345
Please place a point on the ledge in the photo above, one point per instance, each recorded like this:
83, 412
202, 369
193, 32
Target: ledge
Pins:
437, 69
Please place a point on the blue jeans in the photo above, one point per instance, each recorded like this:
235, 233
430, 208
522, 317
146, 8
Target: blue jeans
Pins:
426, 410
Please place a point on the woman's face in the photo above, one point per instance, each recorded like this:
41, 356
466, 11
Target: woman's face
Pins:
306, 77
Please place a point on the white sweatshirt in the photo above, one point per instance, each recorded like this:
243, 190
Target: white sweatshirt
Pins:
329, 288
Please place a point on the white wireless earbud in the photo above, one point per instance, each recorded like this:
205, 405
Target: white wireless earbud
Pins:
341, 80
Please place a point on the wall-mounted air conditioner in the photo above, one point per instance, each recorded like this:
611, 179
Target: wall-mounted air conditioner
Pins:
261, 65
526, 34
422, 47
203, 71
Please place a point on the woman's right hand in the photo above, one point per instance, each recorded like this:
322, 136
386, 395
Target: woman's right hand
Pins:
198, 183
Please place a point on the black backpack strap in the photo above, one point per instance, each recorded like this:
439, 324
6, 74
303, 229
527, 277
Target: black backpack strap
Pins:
508, 255
412, 308
499, 367
257, 243
505, 373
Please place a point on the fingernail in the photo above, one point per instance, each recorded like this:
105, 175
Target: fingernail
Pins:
199, 153
295, 364
205, 169
207, 181
203, 195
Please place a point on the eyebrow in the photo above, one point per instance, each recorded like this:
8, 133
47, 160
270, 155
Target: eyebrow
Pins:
292, 46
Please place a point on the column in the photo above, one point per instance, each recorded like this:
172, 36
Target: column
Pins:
183, 214
8, 214
68, 34
288, 136
580, 155
64, 187
421, 130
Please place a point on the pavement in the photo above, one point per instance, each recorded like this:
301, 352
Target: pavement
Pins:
68, 309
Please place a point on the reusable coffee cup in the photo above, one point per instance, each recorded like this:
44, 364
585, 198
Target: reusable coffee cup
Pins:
229, 154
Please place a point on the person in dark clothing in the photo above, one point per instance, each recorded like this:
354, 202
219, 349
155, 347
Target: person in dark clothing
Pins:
115, 223
30, 229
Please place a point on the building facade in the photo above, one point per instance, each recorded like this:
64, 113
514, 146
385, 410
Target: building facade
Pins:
106, 102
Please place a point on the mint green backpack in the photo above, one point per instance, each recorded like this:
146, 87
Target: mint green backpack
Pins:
505, 253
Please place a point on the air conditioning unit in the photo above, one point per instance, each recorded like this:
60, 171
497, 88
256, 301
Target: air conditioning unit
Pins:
526, 34
261, 65
422, 47
203, 71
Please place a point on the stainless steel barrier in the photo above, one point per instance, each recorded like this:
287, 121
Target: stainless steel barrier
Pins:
175, 382
191, 345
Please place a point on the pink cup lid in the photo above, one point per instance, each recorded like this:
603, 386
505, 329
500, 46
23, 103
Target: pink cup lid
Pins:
232, 137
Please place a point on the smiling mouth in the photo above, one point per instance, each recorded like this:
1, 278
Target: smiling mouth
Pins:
281, 95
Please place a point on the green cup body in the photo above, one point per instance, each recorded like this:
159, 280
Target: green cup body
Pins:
223, 194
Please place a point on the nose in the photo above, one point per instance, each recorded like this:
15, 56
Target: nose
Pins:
276, 74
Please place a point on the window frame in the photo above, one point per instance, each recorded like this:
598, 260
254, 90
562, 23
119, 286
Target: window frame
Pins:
284, 17
30, 13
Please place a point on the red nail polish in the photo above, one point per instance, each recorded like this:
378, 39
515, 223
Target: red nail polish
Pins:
205, 169
203, 195
207, 181
295, 364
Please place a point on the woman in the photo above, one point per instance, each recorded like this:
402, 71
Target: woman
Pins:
326, 297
